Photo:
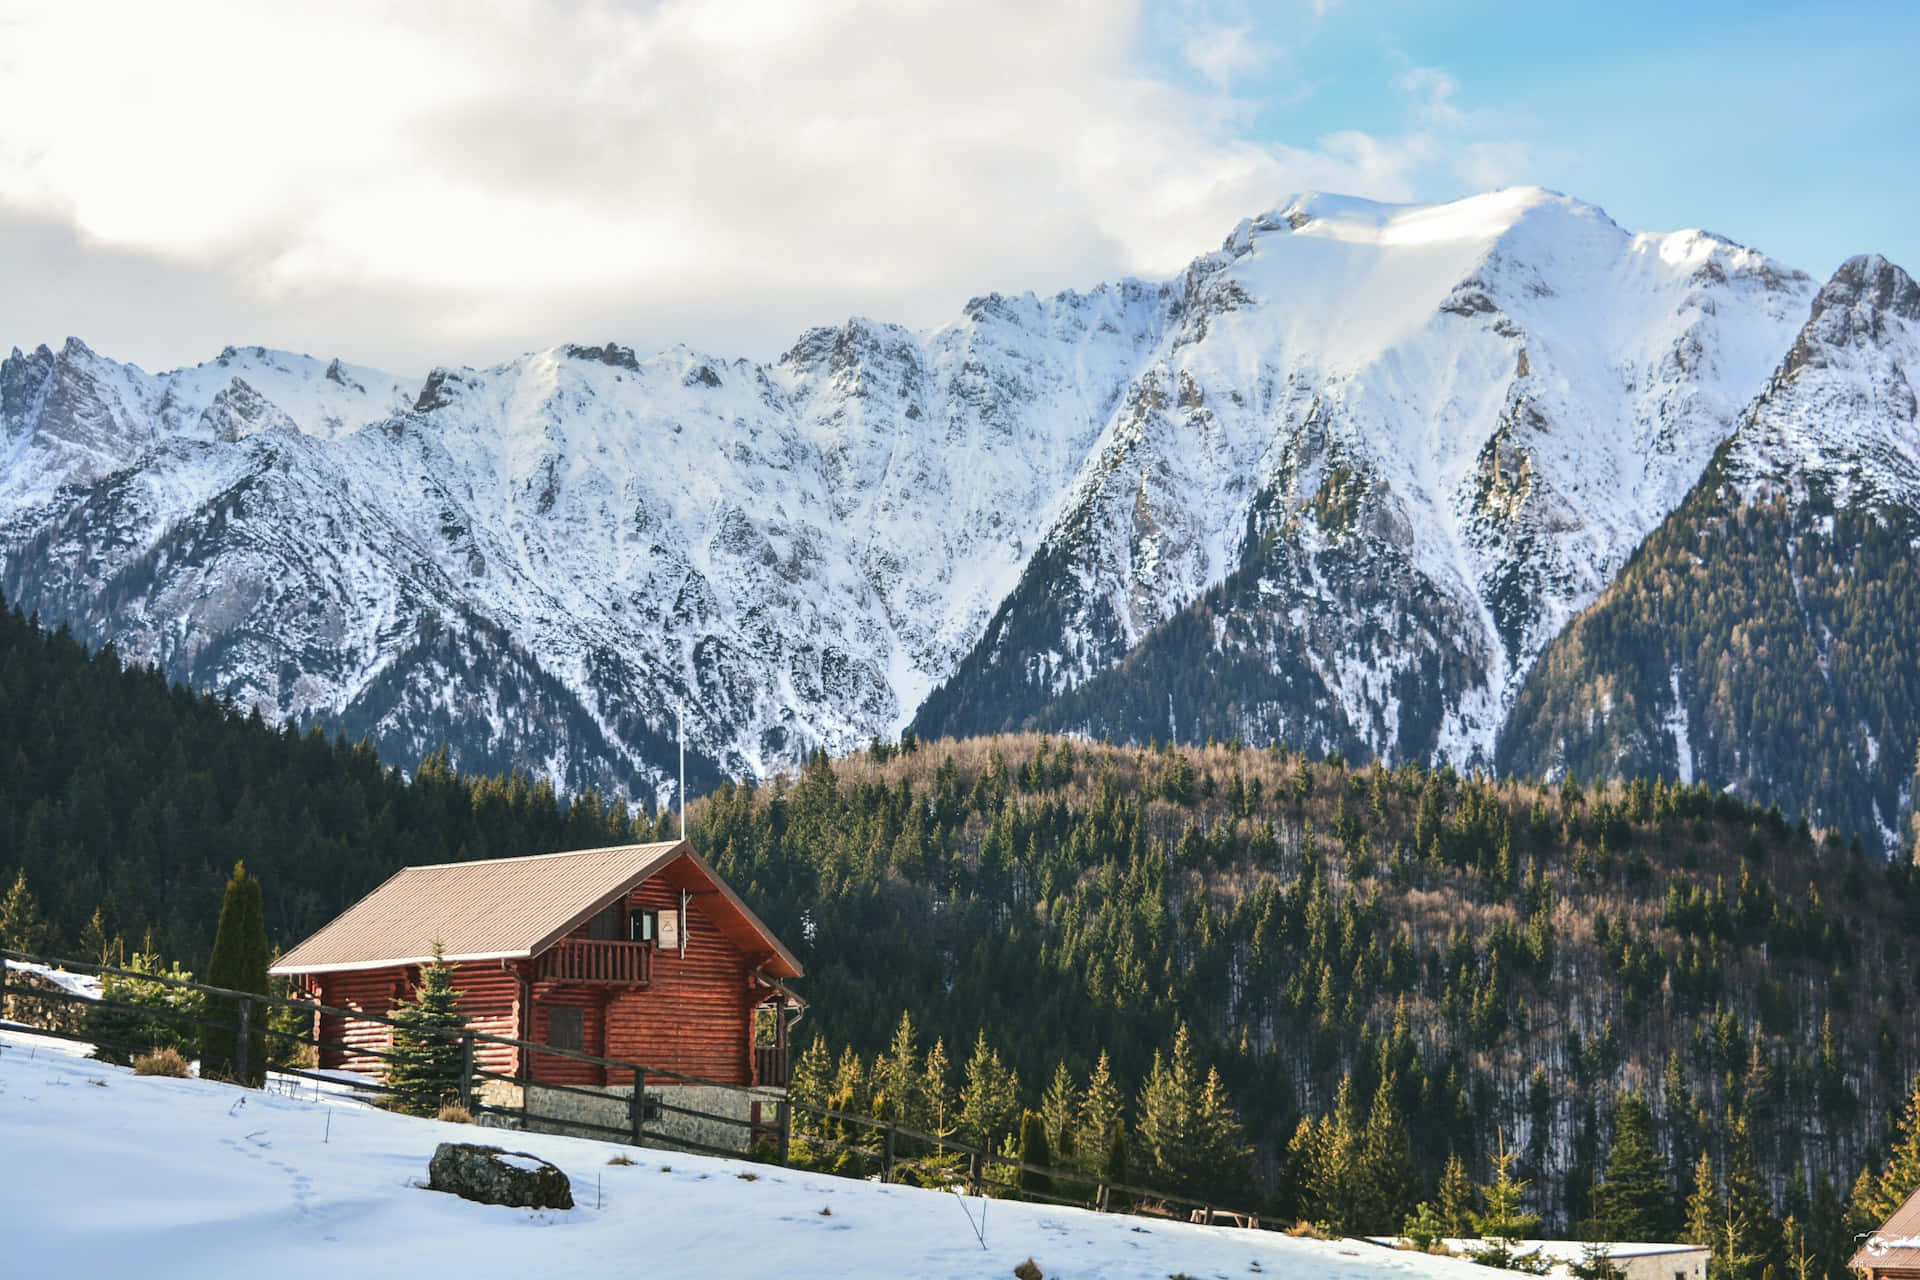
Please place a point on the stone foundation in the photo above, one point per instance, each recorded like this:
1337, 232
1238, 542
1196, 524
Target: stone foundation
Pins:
724, 1121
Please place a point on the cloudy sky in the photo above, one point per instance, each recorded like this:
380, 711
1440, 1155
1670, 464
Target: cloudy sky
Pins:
415, 184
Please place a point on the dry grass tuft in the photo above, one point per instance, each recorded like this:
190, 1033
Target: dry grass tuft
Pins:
454, 1113
1029, 1270
162, 1062
623, 1159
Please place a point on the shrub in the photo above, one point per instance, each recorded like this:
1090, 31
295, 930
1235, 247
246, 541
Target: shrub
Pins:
164, 1061
1029, 1270
454, 1113
134, 1014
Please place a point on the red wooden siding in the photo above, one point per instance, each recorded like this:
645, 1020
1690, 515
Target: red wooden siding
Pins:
550, 1068
693, 1019
489, 997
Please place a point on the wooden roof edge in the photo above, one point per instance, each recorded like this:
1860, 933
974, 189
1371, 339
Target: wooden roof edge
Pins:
349, 966
754, 922
668, 850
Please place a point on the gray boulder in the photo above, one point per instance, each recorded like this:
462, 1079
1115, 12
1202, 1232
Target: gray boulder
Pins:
492, 1175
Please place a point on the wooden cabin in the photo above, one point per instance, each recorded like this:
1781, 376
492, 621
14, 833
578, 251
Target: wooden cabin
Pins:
638, 952
1892, 1252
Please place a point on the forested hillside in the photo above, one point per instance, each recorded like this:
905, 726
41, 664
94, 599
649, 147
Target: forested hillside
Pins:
1507, 959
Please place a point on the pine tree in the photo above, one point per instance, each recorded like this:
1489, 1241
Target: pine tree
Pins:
1057, 1107
1704, 1207
1454, 1199
1386, 1181
1504, 1222
426, 1064
1751, 1231
95, 944
239, 963
1034, 1150
896, 1073
1901, 1176
1101, 1109
990, 1098
1224, 1151
1635, 1202
21, 928
1115, 1167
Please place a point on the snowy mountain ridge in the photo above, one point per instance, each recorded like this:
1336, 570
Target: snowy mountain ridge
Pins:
1402, 444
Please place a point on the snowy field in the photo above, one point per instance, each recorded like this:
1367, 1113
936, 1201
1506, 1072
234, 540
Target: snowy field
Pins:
108, 1174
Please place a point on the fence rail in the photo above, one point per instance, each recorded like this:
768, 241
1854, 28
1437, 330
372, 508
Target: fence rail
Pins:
944, 1161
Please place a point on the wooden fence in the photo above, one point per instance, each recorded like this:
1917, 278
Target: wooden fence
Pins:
887, 1150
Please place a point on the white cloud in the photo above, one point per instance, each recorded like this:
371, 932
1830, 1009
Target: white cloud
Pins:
415, 184
1222, 53
1433, 92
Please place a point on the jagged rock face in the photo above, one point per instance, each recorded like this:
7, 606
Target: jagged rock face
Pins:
1410, 443
1337, 483
1762, 640
540, 564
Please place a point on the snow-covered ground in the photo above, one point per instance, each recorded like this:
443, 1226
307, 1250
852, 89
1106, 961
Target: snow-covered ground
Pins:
105, 1173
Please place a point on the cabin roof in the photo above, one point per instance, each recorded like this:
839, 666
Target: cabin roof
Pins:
1896, 1245
515, 908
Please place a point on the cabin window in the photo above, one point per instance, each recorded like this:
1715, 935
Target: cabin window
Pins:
565, 1029
606, 927
645, 926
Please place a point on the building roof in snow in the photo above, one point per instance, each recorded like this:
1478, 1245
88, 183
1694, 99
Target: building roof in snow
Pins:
515, 908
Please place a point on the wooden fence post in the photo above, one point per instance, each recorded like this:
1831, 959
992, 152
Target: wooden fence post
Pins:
3, 989
637, 1105
886, 1163
240, 1040
466, 1069
785, 1117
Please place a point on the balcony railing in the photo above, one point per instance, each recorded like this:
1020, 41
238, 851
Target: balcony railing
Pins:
587, 961
770, 1064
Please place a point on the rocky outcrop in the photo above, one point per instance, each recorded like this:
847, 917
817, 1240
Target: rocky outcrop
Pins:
492, 1175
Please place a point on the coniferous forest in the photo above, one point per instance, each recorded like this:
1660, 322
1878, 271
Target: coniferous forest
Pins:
1365, 997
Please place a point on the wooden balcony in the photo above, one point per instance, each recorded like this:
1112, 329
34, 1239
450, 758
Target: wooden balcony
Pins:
770, 1065
585, 962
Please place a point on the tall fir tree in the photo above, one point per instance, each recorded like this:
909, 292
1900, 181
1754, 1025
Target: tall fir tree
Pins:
1453, 1200
426, 1066
1102, 1109
1058, 1106
989, 1098
1752, 1228
1635, 1200
239, 963
1386, 1180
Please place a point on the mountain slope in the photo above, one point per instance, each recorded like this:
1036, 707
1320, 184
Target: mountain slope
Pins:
1762, 641
1337, 484
749, 542
1408, 443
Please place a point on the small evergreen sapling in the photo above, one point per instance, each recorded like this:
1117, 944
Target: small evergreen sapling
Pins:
426, 1065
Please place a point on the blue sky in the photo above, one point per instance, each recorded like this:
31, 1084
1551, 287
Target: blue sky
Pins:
1794, 128
440, 183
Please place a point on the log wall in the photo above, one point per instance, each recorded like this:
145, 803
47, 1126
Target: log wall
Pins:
489, 997
694, 1018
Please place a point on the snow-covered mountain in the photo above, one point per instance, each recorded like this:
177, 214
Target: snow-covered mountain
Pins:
1338, 482
1762, 641
1408, 443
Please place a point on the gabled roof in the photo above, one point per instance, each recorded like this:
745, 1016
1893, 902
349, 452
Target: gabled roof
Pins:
1896, 1245
514, 908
